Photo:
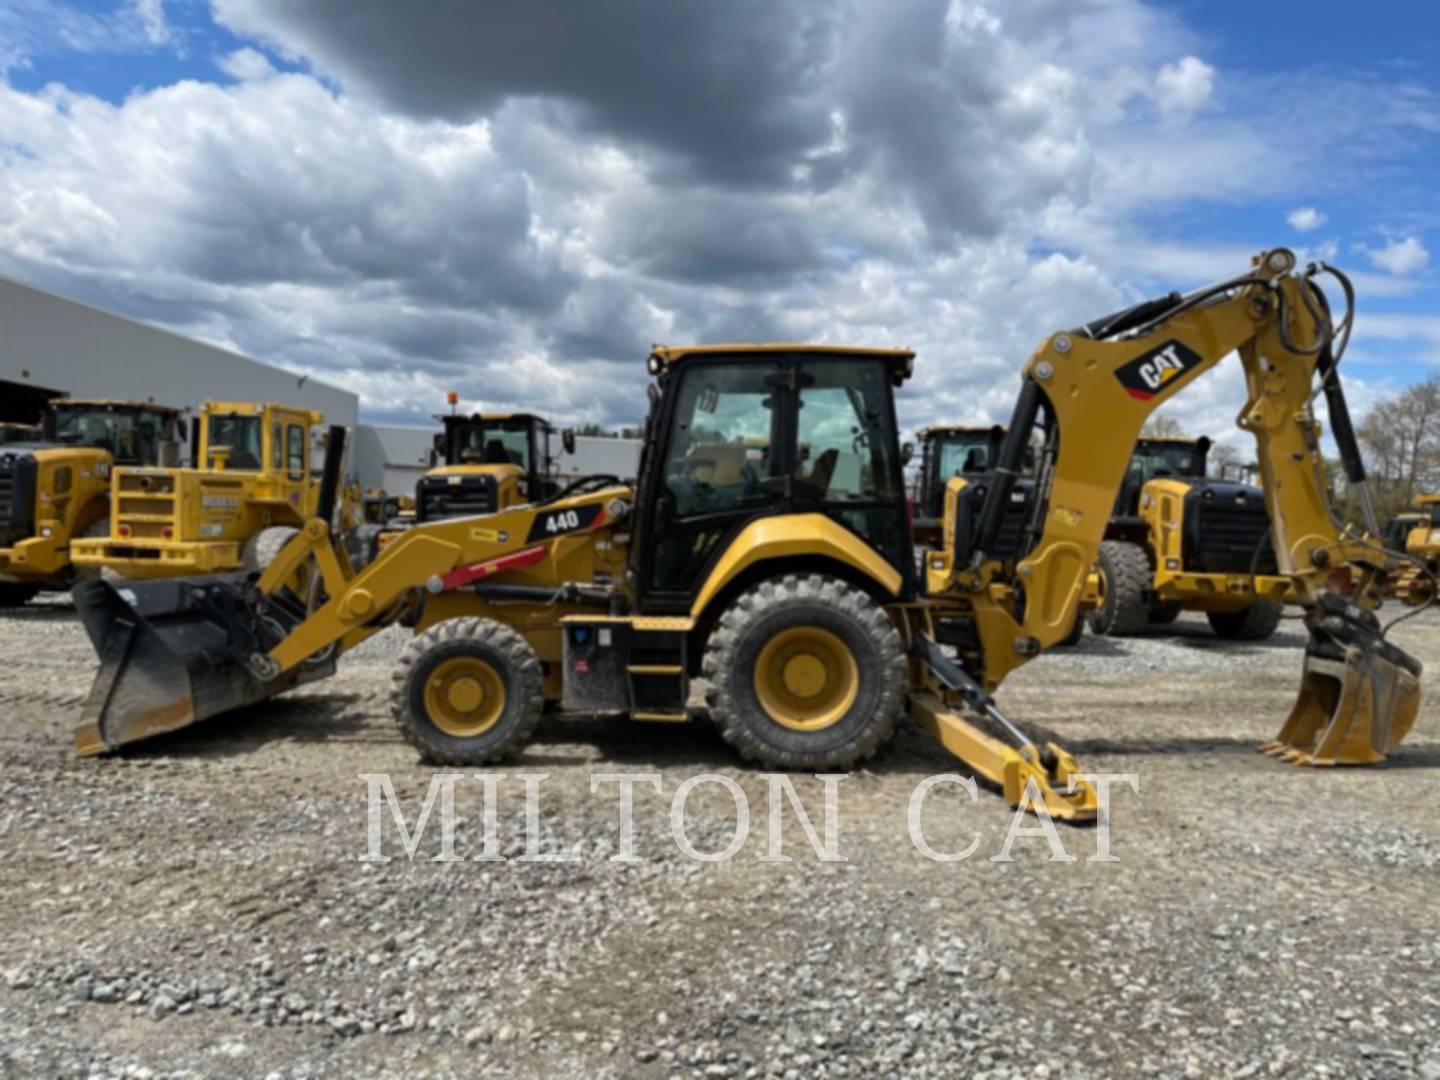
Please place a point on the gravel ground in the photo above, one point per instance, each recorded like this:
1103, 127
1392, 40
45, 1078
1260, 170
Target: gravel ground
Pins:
199, 907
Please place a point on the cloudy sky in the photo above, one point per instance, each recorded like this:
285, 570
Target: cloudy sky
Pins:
515, 198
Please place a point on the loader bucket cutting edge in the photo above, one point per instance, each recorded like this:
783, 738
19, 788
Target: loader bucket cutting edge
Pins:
1350, 711
169, 657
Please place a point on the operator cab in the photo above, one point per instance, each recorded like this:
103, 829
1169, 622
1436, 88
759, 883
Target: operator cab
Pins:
134, 433
742, 432
483, 463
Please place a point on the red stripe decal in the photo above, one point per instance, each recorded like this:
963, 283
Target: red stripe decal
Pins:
468, 575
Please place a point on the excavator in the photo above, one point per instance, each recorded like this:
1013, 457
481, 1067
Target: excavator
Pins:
784, 580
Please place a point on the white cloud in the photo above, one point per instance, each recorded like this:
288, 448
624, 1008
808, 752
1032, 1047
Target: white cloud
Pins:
247, 65
1305, 219
1400, 257
151, 14
519, 227
1185, 86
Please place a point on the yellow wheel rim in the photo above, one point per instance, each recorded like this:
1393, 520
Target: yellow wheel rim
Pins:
464, 697
806, 678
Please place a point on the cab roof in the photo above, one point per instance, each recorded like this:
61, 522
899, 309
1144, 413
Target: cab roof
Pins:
939, 431
486, 418
103, 403
666, 355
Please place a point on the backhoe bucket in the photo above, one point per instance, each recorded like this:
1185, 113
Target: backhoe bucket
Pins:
173, 652
1359, 695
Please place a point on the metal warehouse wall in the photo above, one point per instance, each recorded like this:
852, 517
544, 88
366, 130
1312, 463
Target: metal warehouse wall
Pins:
52, 343
393, 458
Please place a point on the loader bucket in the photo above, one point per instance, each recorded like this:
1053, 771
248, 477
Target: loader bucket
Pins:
1359, 694
174, 652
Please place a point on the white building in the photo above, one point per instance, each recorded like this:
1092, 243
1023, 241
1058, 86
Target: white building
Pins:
51, 346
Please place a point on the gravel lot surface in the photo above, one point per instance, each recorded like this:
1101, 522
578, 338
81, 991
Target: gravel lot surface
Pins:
199, 907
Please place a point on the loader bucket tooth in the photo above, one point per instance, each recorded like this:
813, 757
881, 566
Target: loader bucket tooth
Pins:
172, 652
1359, 694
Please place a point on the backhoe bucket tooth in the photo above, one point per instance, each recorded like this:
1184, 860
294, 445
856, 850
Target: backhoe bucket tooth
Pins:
173, 652
1359, 695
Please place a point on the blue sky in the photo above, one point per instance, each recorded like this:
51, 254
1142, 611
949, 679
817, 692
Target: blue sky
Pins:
406, 199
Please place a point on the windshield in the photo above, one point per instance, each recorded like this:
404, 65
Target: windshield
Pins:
242, 435
496, 442
133, 437
1162, 459
14, 433
962, 454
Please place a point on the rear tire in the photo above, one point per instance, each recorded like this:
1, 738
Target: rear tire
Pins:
262, 549
1166, 612
1126, 576
1256, 623
468, 692
805, 672
14, 594
1076, 633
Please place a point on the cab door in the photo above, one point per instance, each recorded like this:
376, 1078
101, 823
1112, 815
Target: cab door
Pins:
715, 462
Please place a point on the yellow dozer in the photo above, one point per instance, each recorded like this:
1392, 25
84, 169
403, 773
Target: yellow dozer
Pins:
1179, 540
1418, 535
55, 485
252, 490
789, 585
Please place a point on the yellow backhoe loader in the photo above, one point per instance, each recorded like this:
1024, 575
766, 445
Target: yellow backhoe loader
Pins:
786, 580
55, 486
252, 490
1179, 540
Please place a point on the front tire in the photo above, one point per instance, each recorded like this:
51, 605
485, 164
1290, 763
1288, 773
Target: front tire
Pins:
469, 691
805, 672
1255, 623
1126, 576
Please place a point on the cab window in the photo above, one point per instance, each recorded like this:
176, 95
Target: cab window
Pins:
721, 439
242, 435
297, 452
277, 447
846, 445
717, 459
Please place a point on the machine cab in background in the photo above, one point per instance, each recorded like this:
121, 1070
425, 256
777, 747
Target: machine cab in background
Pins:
483, 463
740, 433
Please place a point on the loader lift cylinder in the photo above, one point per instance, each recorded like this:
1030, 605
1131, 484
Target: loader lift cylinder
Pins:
330, 477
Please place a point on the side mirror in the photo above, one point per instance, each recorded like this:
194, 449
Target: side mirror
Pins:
907, 452
567, 440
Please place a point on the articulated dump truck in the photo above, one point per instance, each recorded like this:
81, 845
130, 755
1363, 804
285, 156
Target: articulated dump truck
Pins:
766, 551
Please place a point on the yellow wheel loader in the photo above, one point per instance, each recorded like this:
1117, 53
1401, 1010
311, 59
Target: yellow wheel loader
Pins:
252, 489
971, 452
486, 462
1181, 541
946, 451
784, 578
19, 433
55, 487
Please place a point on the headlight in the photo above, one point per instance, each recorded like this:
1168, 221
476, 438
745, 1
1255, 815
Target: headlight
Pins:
62, 480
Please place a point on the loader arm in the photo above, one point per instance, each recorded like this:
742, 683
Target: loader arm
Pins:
1095, 389
200, 647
